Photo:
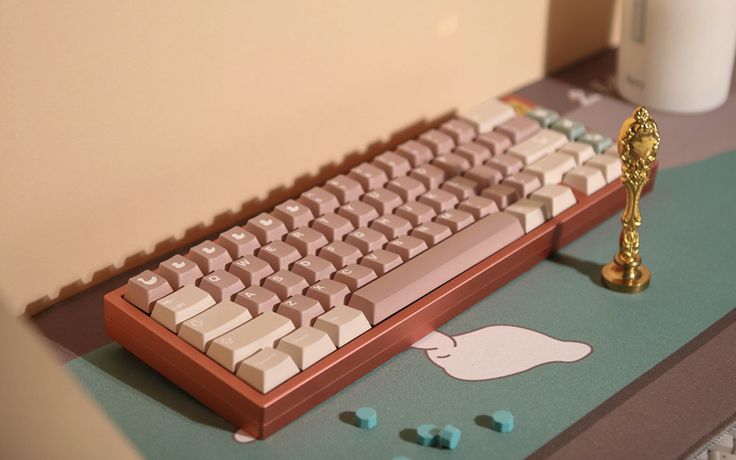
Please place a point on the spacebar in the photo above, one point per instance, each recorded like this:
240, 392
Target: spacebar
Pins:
434, 267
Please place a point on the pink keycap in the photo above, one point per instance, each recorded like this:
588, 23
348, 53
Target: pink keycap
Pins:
415, 212
366, 239
478, 206
279, 254
300, 309
439, 200
329, 293
408, 188
462, 187
238, 242
496, 142
460, 131
354, 276
340, 253
333, 226
391, 225
381, 261
451, 164
430, 176
437, 141
266, 227
293, 214
507, 164
221, 285
524, 183
475, 153
455, 219
432, 233
502, 195
484, 175
257, 300
145, 289
519, 128
417, 154
319, 201
393, 164
209, 256
360, 214
250, 269
179, 271
306, 240
369, 176
407, 246
313, 268
344, 188
385, 201
285, 284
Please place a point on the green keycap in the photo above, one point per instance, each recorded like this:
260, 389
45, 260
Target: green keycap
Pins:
545, 117
599, 142
572, 129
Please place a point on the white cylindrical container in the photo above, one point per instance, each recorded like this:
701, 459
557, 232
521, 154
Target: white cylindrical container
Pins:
677, 55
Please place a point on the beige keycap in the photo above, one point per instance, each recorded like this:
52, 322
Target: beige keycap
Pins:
478, 206
260, 332
460, 131
451, 164
391, 225
432, 233
550, 169
437, 141
257, 300
344, 188
328, 293
146, 288
439, 200
300, 309
518, 128
285, 284
340, 253
306, 240
306, 346
502, 195
238, 242
354, 276
279, 255
250, 269
579, 151
394, 165
181, 305
611, 151
430, 176
408, 188
455, 219
358, 213
342, 324
506, 164
369, 176
221, 285
366, 239
524, 183
381, 261
529, 212
407, 247
585, 179
319, 201
476, 154
554, 199
462, 187
213, 322
487, 115
293, 214
497, 143
484, 175
313, 268
415, 212
178, 271
385, 201
417, 154
609, 165
209, 256
538, 146
266, 228
267, 369
333, 226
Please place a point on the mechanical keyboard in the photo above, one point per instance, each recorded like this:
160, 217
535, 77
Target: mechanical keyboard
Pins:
277, 315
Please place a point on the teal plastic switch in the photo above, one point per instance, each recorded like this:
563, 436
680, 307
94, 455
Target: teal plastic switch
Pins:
366, 417
502, 421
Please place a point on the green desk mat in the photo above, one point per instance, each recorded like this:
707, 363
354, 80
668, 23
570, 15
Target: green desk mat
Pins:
687, 241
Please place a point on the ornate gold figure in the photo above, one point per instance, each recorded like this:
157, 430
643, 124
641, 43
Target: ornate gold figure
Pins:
638, 142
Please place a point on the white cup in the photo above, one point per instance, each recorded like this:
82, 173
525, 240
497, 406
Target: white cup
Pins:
677, 55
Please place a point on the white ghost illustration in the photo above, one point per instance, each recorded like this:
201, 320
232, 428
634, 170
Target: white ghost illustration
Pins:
497, 351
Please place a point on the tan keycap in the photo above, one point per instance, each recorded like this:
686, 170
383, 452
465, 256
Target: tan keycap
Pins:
257, 300
451, 164
415, 212
529, 213
478, 206
146, 288
579, 151
313, 268
306, 346
360, 214
462, 187
430, 176
340, 253
432, 233
250, 269
179, 270
524, 183
437, 141
497, 143
266, 228
285, 284
213, 322
408, 188
585, 179
293, 214
300, 309
476, 154
391, 225
354, 276
394, 165
502, 195
439, 200
238, 242
369, 176
506, 164
319, 201
221, 285
407, 246
381, 261
342, 324
609, 165
306, 240
455, 219
555, 199
550, 169
484, 175
366, 239
181, 305
385, 201
538, 146
260, 332
328, 293
344, 188
518, 128
487, 115
333, 226
279, 255
417, 154
460, 131
209, 256
612, 151
267, 369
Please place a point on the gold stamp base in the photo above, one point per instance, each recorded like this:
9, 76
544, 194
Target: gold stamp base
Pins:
612, 276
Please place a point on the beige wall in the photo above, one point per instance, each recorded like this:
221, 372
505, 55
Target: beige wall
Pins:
130, 127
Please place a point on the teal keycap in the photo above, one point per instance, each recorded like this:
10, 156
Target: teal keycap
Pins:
428, 435
450, 437
572, 129
545, 117
599, 142
366, 417
502, 421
